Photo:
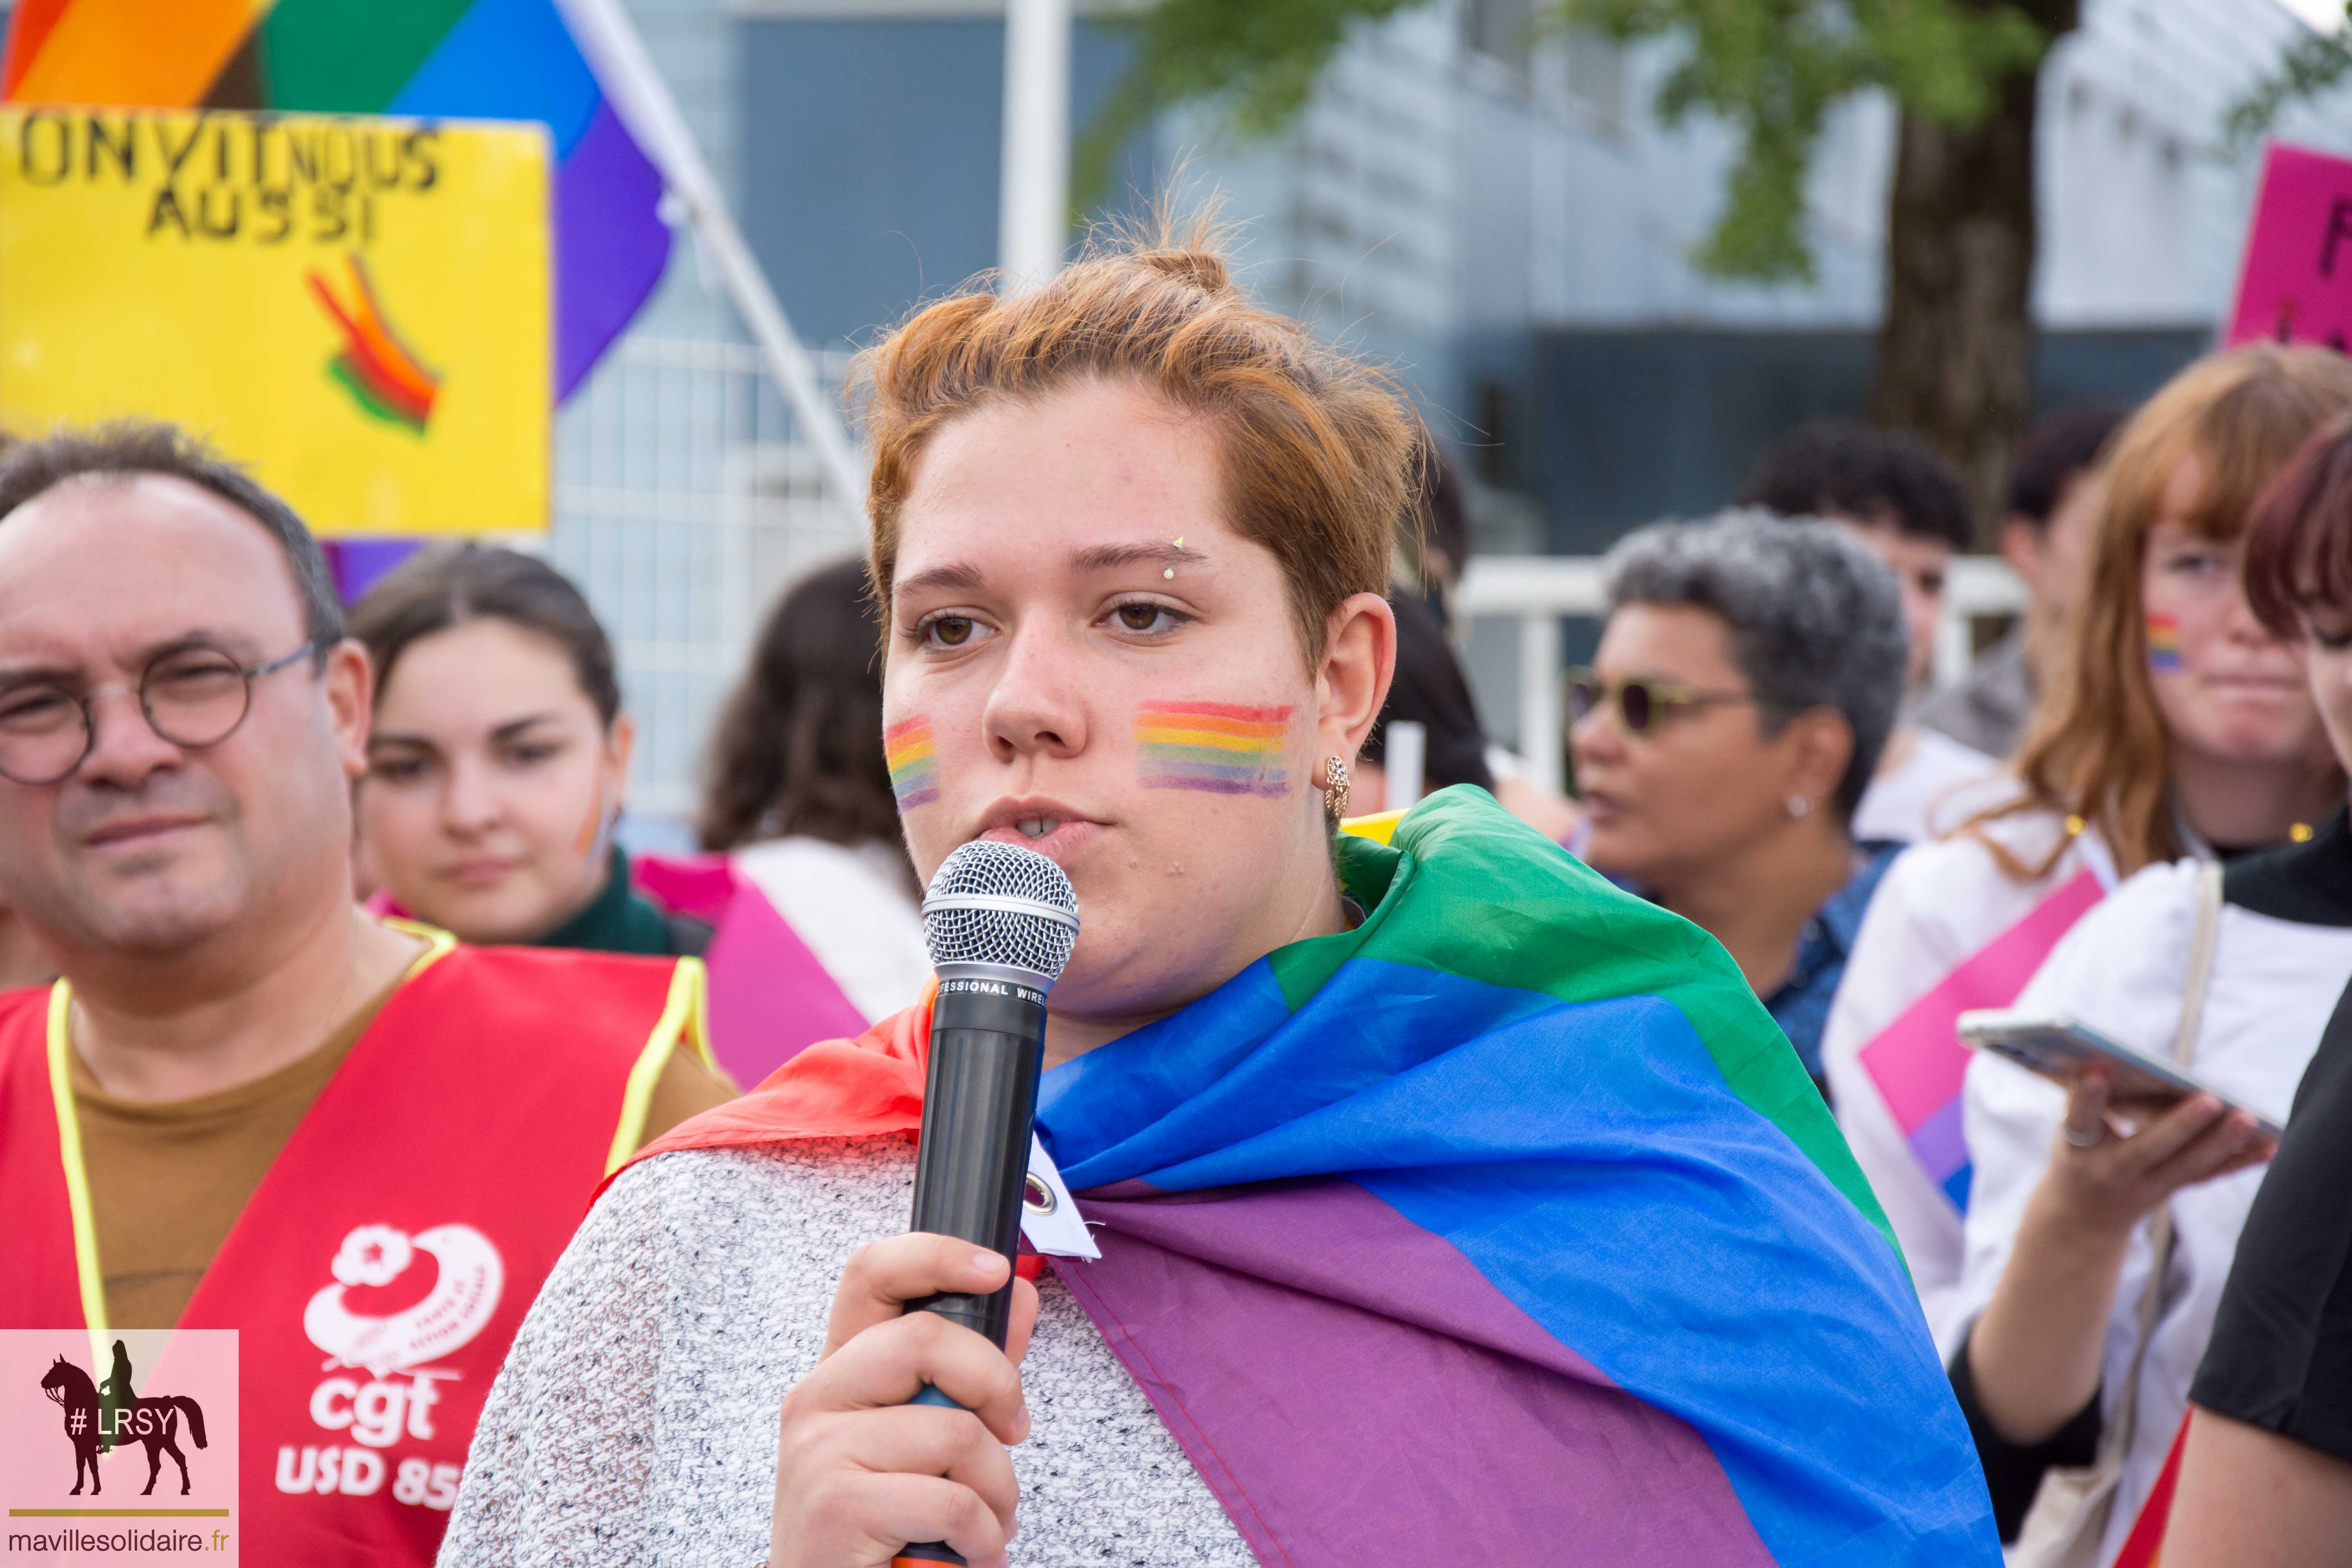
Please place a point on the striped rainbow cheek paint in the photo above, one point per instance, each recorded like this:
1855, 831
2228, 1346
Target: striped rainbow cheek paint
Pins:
914, 761
2163, 643
1221, 747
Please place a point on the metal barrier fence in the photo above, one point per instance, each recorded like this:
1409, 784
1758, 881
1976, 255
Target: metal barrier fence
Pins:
683, 504
1539, 592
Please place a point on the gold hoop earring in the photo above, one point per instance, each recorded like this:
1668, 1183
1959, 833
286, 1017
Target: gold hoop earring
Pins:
1335, 790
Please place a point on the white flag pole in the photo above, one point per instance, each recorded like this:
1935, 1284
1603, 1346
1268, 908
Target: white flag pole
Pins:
645, 104
1034, 191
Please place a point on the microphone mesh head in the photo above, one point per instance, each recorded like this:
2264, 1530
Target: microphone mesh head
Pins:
998, 904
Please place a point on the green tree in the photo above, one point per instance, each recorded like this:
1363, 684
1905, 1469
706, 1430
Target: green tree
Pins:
1955, 339
2312, 67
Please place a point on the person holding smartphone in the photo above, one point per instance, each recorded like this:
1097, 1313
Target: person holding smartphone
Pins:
2265, 1463
2098, 1234
2125, 766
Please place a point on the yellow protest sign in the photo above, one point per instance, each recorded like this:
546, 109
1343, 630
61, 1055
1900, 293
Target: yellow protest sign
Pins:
357, 307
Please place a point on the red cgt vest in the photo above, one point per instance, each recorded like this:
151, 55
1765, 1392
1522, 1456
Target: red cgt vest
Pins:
384, 1264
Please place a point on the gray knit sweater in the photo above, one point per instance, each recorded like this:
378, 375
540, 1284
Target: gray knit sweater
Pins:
634, 1421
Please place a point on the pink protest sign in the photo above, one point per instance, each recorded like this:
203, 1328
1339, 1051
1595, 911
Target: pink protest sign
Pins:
2296, 285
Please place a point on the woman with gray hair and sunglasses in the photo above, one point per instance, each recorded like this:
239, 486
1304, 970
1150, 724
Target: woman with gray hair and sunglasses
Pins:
1744, 686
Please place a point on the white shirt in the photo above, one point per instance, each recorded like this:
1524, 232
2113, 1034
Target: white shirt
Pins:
2121, 971
1939, 784
1939, 906
850, 907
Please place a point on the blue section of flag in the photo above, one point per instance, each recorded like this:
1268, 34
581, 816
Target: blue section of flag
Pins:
516, 59
1590, 1161
1955, 1187
506, 60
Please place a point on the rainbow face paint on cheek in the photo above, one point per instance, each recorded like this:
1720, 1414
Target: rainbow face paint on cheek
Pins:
2163, 643
1224, 748
914, 761
596, 839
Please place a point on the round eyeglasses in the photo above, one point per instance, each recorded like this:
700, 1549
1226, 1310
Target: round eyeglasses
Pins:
193, 696
1642, 705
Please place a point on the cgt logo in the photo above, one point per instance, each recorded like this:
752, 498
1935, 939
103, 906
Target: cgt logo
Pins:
100, 1416
399, 1300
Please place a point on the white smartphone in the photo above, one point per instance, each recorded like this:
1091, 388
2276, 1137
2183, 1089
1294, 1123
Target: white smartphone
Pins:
2056, 1047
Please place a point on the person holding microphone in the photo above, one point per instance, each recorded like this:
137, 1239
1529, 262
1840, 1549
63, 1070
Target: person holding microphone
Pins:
1449, 1202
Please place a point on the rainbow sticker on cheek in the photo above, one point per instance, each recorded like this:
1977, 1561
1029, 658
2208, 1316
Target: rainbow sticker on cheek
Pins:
914, 761
1221, 747
2163, 643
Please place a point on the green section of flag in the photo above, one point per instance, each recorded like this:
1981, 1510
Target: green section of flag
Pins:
340, 369
1510, 907
348, 57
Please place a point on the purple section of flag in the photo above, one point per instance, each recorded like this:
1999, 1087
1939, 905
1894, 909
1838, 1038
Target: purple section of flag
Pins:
1938, 1144
1215, 785
1350, 1317
359, 563
610, 243
770, 997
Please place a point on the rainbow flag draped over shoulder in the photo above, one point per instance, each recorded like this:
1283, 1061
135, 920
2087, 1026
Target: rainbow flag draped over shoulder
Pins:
478, 60
1504, 1228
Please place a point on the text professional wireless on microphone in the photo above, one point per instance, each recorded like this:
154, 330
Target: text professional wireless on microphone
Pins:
1000, 921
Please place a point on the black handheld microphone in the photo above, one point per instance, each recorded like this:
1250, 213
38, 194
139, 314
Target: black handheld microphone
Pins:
1000, 921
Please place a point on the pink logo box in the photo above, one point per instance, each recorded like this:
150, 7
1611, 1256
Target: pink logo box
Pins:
164, 1490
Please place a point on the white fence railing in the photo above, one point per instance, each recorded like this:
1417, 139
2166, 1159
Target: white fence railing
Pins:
1539, 592
685, 501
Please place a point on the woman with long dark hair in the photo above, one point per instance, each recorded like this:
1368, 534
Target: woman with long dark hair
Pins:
798, 794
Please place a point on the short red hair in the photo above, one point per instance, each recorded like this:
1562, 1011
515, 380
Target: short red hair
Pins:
1318, 447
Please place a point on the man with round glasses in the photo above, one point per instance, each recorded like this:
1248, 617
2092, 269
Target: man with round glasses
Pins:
246, 1104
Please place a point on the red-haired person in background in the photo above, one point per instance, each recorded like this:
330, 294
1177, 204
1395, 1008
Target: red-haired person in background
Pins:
2141, 759
2098, 1236
249, 1104
2262, 1474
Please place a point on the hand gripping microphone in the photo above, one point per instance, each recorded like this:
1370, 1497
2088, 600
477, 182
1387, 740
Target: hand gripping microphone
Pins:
1000, 921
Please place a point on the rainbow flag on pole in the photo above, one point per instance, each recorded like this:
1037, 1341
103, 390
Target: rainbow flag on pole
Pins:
1504, 1228
478, 60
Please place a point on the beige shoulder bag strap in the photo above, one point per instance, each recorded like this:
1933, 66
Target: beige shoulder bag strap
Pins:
2070, 1512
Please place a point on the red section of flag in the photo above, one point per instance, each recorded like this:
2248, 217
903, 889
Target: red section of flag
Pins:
28, 29
2144, 1547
